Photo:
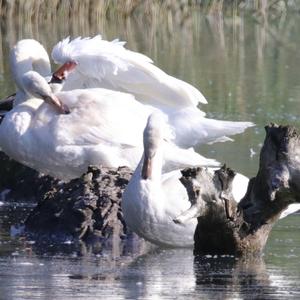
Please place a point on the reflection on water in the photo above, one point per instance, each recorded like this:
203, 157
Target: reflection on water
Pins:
158, 274
234, 278
248, 71
137, 270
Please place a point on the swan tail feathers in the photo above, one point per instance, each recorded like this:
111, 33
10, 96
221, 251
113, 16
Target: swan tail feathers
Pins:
192, 128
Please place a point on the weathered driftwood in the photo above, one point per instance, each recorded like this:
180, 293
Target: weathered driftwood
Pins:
85, 208
225, 227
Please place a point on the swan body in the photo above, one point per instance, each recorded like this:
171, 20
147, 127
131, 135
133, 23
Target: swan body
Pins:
62, 134
100, 62
110, 65
99, 130
63, 145
152, 199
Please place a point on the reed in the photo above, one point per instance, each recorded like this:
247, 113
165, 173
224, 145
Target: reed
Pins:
95, 9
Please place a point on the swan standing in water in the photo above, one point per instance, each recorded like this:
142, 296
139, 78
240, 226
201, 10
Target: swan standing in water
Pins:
109, 65
152, 198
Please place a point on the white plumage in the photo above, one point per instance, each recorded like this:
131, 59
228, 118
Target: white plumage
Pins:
152, 199
110, 65
104, 127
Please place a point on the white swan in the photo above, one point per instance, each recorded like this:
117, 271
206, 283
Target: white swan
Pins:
102, 127
189, 124
153, 198
109, 65
109, 133
27, 55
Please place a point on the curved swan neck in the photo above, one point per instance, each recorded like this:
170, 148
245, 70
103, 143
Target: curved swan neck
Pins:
153, 146
28, 55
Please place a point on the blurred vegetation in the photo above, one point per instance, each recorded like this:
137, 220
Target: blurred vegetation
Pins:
95, 9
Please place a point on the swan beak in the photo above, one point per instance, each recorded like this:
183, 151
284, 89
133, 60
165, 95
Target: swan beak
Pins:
54, 101
61, 73
147, 167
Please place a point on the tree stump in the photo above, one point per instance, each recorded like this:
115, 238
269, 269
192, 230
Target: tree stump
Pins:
85, 208
227, 227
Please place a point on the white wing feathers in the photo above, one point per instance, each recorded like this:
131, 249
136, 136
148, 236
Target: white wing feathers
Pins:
100, 113
110, 65
178, 158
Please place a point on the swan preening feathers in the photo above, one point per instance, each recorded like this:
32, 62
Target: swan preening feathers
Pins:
94, 110
110, 65
152, 199
104, 126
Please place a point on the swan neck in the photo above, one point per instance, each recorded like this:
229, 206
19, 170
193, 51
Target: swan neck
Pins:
28, 55
155, 167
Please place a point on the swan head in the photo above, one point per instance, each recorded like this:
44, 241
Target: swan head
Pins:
61, 74
36, 86
155, 133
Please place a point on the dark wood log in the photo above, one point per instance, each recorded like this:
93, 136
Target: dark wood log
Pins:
225, 227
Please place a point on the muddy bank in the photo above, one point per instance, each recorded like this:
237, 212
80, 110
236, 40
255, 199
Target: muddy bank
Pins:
85, 208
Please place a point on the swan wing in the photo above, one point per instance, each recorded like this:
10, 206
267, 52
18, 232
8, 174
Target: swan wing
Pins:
192, 128
108, 64
178, 158
101, 116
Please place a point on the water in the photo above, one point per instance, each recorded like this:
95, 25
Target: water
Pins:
247, 70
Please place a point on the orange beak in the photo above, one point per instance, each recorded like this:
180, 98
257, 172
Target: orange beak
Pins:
54, 101
61, 73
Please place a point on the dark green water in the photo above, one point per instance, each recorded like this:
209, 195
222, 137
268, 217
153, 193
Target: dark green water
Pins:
247, 71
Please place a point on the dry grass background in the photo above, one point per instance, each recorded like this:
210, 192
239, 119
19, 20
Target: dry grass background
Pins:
94, 9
